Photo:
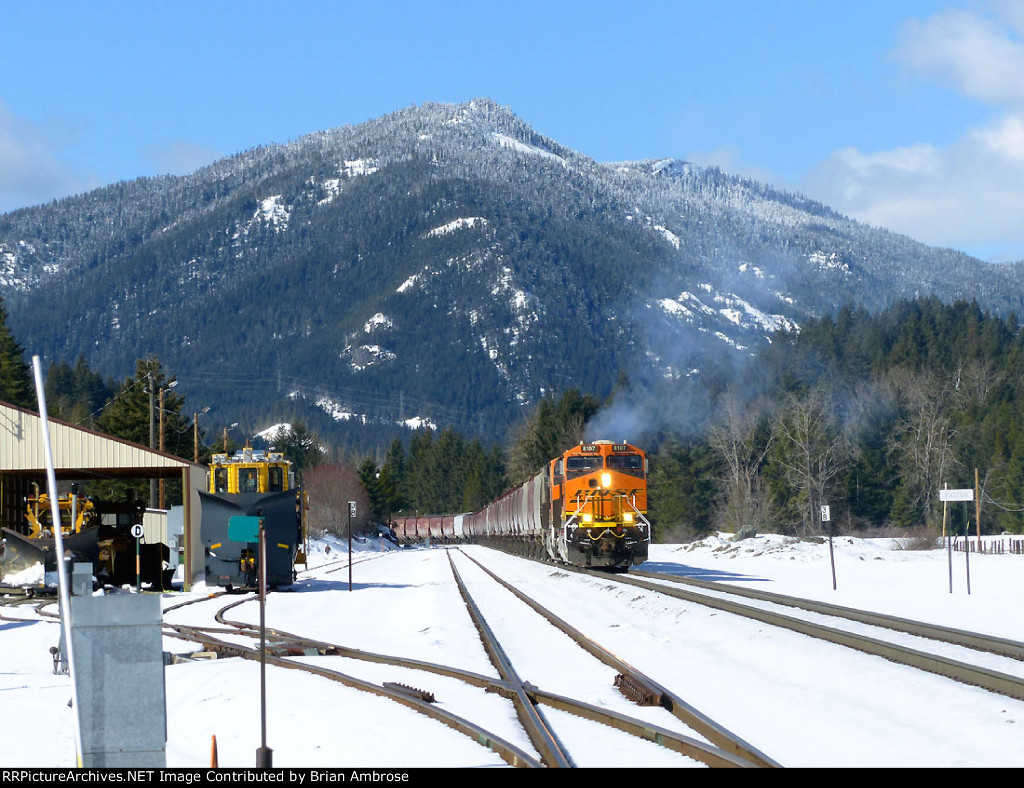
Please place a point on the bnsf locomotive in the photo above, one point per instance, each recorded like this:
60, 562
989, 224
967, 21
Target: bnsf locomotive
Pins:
252, 484
587, 507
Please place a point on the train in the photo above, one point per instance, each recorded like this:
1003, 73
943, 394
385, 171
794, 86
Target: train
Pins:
252, 484
587, 507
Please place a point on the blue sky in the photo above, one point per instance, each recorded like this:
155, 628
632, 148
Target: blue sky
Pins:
908, 114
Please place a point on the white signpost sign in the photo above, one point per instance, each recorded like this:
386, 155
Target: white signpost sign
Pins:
826, 517
964, 495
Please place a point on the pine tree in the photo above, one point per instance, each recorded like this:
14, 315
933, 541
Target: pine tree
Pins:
391, 482
75, 394
134, 414
369, 476
552, 428
301, 446
16, 385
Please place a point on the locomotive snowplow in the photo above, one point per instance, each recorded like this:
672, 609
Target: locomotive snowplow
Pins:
252, 483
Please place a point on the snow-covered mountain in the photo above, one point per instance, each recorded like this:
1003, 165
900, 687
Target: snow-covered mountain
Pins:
445, 264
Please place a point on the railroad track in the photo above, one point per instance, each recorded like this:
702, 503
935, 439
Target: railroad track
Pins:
283, 648
726, 749
291, 651
962, 666
339, 564
294, 652
872, 639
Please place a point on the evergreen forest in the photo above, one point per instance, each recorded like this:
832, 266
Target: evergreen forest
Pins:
869, 414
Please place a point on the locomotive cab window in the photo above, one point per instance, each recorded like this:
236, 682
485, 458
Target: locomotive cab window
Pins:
220, 480
577, 466
632, 464
276, 479
248, 480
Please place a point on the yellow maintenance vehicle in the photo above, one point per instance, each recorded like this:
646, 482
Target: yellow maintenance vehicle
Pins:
92, 531
259, 484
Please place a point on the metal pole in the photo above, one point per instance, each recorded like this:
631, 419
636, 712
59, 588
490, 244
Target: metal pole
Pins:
947, 538
967, 548
63, 587
160, 484
831, 556
152, 439
826, 516
264, 755
350, 546
977, 508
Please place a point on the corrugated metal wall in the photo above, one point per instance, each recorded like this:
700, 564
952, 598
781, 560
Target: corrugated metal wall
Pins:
21, 446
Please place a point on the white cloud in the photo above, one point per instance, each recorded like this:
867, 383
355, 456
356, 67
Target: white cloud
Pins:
964, 195
32, 169
970, 194
977, 56
1011, 12
1004, 139
36, 163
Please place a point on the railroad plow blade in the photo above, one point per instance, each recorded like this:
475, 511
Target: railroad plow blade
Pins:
21, 553
233, 563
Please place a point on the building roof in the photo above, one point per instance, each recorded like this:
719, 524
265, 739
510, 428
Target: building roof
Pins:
77, 452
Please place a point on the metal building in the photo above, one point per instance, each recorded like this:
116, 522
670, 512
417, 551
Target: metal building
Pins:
81, 455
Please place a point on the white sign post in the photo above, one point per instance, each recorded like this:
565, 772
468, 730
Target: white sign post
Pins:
137, 532
351, 517
826, 517
964, 495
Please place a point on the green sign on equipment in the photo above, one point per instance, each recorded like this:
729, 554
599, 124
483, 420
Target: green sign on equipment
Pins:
244, 529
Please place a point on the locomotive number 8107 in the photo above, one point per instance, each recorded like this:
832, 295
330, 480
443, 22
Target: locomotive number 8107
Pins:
587, 507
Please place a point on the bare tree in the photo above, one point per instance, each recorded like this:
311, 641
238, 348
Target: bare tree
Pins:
330, 488
744, 501
812, 451
924, 440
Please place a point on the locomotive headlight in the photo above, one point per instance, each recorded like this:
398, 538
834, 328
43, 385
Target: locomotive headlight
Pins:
606, 480
588, 517
627, 517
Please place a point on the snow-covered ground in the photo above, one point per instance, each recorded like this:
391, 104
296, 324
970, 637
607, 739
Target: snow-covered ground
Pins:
802, 702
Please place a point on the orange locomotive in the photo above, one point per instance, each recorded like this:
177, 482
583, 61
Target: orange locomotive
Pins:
587, 507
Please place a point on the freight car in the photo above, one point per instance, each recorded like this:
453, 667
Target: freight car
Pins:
586, 507
419, 529
252, 483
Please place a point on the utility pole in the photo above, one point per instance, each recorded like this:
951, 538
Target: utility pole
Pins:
195, 432
152, 439
977, 508
160, 499
171, 385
